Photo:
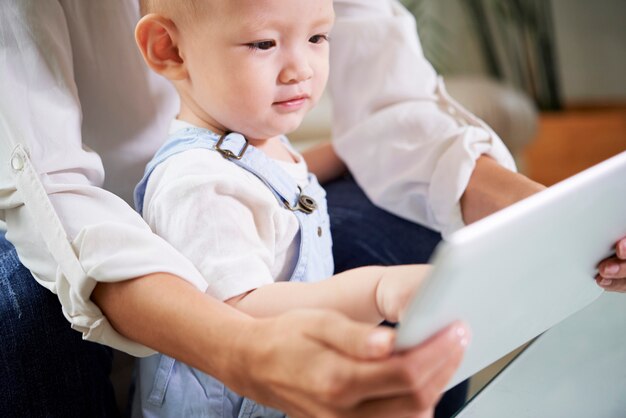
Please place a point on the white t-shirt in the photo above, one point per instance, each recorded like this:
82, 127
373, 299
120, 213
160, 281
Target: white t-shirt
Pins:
224, 219
77, 101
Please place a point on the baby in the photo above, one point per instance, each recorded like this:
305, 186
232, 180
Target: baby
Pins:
228, 190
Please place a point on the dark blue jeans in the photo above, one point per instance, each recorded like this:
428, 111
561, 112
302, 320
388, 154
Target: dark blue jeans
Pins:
47, 370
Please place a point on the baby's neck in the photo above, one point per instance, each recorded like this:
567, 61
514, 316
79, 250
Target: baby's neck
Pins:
275, 149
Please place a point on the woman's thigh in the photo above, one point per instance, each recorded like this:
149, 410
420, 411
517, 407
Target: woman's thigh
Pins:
364, 234
46, 369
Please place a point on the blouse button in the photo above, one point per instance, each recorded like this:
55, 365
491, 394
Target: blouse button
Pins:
17, 162
319, 231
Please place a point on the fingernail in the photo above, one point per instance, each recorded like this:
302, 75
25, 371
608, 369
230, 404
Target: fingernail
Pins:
610, 268
463, 335
379, 342
606, 282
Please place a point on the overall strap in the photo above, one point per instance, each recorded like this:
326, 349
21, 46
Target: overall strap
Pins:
235, 147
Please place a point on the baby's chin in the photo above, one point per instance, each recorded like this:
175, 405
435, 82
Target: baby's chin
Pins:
293, 125
273, 130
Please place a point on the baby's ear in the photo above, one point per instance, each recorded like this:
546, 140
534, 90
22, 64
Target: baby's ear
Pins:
157, 39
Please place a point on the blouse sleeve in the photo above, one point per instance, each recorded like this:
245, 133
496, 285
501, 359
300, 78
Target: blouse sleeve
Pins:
409, 145
68, 230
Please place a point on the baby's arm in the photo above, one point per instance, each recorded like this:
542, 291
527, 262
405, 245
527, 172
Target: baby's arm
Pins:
323, 161
366, 294
223, 228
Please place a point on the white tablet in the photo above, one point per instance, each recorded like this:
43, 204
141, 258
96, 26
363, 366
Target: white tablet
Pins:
518, 272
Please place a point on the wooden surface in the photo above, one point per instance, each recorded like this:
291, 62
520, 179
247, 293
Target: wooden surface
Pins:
572, 140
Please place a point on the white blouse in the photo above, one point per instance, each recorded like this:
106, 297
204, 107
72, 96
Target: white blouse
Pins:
77, 101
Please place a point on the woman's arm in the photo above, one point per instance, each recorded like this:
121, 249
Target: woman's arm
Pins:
307, 363
413, 149
323, 161
492, 187
407, 143
69, 231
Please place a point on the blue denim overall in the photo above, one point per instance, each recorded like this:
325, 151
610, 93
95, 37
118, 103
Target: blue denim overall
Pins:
169, 388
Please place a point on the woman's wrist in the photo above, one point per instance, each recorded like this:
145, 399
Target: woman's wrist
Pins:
492, 187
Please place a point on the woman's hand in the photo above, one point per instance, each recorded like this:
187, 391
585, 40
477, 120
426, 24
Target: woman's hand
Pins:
612, 271
307, 363
312, 363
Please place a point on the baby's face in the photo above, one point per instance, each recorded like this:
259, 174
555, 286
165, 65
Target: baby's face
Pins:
257, 66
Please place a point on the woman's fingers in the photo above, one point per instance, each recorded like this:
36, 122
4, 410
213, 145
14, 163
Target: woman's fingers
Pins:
356, 340
317, 367
413, 385
612, 285
612, 271
620, 249
419, 374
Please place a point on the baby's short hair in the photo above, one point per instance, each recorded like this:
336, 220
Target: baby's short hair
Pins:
171, 8
150, 6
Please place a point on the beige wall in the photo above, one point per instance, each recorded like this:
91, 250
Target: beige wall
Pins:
591, 48
590, 38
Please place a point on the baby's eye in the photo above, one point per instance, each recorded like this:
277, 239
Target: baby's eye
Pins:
318, 39
262, 45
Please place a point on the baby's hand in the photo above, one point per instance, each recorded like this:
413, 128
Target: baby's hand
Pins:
396, 288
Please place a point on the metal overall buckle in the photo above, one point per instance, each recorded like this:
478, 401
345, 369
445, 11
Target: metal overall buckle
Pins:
226, 153
305, 204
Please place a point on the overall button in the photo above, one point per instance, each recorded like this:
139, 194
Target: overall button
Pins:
17, 162
319, 231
